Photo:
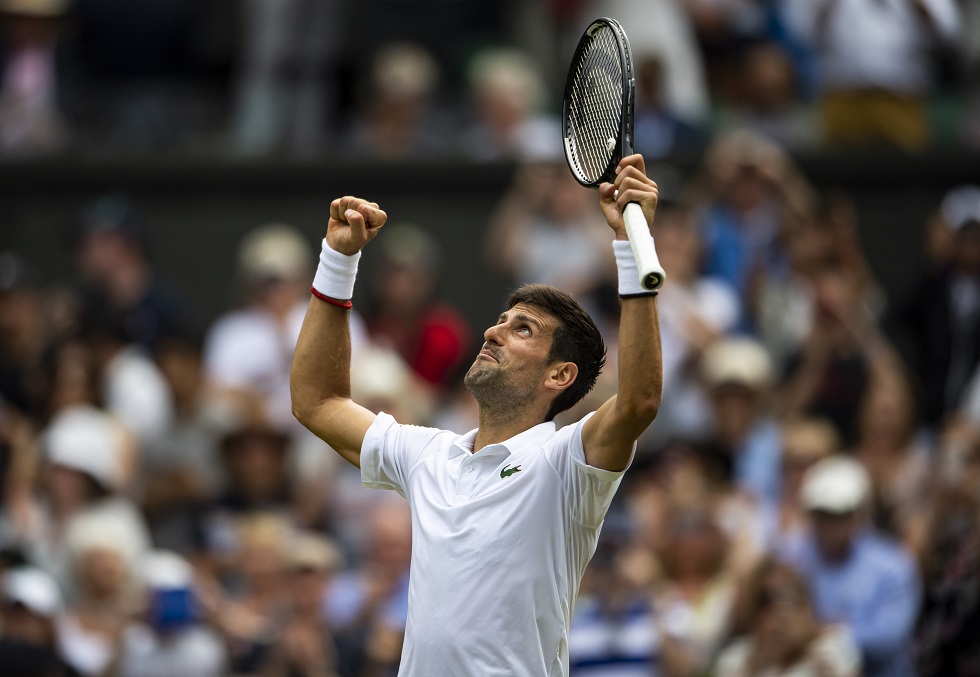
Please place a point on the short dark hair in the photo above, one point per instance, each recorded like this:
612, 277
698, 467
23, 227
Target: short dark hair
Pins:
576, 339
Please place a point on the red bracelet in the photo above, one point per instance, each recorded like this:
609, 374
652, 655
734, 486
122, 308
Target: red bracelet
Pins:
346, 305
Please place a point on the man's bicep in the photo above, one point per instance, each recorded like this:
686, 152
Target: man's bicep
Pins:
341, 423
608, 441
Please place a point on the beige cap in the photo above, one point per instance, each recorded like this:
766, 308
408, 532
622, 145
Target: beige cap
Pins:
38, 8
741, 361
837, 484
275, 250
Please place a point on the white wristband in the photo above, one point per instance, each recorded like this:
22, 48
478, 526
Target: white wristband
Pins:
629, 274
335, 274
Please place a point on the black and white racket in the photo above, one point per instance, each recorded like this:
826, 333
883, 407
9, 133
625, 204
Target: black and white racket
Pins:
597, 126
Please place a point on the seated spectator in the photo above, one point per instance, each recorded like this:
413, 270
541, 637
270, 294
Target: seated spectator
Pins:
782, 638
31, 603
508, 98
737, 373
103, 593
856, 576
806, 441
25, 337
86, 472
367, 605
169, 637
31, 119
305, 646
112, 257
407, 313
768, 99
875, 65
398, 119
543, 209
695, 310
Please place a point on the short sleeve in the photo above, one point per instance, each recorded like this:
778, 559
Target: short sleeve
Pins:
589, 490
390, 451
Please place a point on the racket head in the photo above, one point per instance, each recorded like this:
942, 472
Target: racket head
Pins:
597, 107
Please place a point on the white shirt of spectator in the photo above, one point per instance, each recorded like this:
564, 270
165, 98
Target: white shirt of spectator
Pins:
874, 43
500, 540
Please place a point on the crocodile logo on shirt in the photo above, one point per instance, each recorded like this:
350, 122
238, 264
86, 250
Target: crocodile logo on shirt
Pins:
508, 471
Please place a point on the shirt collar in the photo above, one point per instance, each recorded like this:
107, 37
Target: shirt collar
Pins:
529, 439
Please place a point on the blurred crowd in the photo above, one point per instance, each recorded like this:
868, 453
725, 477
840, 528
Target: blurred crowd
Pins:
396, 79
807, 501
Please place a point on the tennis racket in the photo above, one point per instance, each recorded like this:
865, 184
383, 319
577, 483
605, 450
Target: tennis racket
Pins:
597, 126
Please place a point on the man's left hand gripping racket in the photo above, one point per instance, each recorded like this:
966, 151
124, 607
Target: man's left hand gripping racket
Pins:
597, 126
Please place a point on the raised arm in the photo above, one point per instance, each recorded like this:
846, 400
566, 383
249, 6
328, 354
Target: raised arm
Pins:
319, 382
610, 434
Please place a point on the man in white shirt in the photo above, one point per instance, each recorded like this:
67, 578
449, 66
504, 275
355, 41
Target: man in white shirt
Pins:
506, 517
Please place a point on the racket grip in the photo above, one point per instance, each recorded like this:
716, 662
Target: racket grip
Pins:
652, 274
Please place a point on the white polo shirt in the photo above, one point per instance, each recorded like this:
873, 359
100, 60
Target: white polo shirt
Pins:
500, 540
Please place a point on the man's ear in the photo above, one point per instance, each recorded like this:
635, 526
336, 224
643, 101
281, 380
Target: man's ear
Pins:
561, 375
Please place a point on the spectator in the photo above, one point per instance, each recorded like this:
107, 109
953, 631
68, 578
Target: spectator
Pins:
806, 441
305, 646
397, 119
281, 101
111, 253
940, 323
950, 559
782, 637
897, 460
169, 638
738, 375
407, 314
508, 98
182, 470
747, 190
25, 336
87, 471
856, 576
102, 585
31, 120
693, 601
843, 352
695, 310
131, 386
367, 606
543, 209
768, 100
875, 65
28, 640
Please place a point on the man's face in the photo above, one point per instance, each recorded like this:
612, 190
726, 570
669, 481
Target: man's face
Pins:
514, 357
835, 533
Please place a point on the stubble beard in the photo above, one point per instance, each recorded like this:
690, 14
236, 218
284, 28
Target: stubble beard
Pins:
495, 391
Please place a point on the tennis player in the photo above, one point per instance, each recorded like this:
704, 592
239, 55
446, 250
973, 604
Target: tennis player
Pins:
506, 517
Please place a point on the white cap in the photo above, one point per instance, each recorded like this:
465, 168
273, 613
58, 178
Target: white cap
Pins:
33, 588
837, 484
275, 250
165, 570
742, 361
85, 439
960, 206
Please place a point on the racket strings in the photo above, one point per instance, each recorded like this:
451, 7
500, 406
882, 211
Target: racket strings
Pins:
595, 106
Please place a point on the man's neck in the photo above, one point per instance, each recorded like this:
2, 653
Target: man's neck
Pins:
495, 427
